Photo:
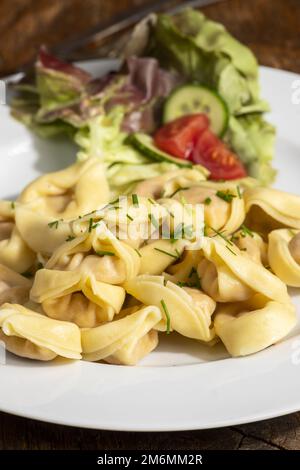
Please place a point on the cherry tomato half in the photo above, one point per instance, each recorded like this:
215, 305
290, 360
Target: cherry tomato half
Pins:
178, 137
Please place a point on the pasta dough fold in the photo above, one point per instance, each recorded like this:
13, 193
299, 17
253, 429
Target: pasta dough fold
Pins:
74, 191
14, 252
227, 275
253, 325
190, 310
14, 288
281, 259
35, 336
123, 341
270, 209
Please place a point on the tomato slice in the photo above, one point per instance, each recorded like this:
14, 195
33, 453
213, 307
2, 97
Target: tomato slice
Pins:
212, 153
178, 137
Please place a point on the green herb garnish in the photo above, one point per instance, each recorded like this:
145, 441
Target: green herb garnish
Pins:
135, 200
246, 231
54, 224
13, 205
166, 312
220, 234
104, 253
70, 238
173, 255
137, 251
177, 191
228, 248
91, 223
153, 221
129, 217
238, 189
226, 196
207, 201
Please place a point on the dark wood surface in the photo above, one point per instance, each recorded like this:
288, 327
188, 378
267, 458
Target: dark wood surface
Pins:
271, 29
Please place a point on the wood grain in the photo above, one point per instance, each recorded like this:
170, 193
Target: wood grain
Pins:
271, 29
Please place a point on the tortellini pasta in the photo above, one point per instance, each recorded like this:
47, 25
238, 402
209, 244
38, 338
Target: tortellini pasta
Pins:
14, 288
223, 208
125, 340
190, 310
250, 326
35, 336
14, 252
77, 190
284, 255
228, 276
105, 279
269, 209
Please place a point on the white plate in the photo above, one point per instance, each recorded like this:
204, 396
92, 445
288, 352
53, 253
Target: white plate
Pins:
181, 385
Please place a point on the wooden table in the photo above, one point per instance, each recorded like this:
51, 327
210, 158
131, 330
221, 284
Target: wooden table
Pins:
271, 29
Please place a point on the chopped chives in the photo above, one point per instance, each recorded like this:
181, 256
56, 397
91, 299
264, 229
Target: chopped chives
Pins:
138, 252
166, 312
153, 221
13, 205
226, 196
167, 253
220, 234
228, 248
239, 192
91, 223
246, 231
207, 201
151, 201
135, 200
193, 271
53, 224
70, 238
129, 217
177, 191
104, 253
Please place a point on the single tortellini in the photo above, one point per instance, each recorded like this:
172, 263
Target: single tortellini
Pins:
252, 245
284, 255
41, 232
14, 252
123, 341
166, 184
223, 208
76, 190
14, 288
189, 310
250, 326
270, 209
98, 251
35, 336
229, 276
76, 296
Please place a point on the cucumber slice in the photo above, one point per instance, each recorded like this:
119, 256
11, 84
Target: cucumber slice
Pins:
144, 144
194, 98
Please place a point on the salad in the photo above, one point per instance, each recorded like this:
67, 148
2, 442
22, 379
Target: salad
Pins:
186, 95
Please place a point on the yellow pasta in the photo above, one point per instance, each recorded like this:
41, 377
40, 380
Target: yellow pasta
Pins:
77, 190
35, 336
253, 325
123, 341
228, 276
190, 310
14, 288
269, 209
284, 255
14, 252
